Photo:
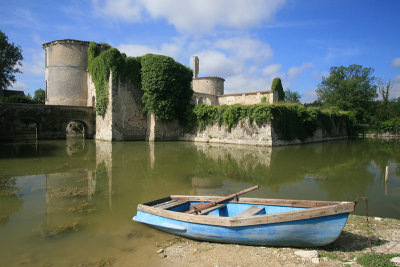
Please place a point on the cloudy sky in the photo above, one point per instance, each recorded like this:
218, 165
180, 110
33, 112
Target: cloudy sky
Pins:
247, 42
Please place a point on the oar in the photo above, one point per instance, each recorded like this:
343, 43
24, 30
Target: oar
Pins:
201, 206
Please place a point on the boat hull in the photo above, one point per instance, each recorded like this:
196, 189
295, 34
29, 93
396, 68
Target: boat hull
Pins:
311, 232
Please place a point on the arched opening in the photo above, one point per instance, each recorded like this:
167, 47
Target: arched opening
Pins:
75, 129
200, 101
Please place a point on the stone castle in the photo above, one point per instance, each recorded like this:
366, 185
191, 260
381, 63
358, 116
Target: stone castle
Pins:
68, 83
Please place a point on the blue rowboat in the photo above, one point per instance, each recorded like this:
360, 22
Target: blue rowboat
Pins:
249, 221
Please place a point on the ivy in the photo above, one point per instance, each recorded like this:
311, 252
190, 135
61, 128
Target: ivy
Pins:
290, 121
165, 84
99, 66
166, 87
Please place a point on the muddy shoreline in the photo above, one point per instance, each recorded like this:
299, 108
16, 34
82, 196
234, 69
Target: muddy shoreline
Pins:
383, 233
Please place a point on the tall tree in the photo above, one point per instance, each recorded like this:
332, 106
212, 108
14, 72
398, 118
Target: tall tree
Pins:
10, 59
292, 96
349, 88
384, 89
39, 96
277, 86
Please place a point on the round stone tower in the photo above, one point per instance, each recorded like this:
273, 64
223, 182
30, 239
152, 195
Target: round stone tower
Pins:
66, 64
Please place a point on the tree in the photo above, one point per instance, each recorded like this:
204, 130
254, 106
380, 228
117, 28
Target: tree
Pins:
10, 59
349, 88
39, 96
292, 96
384, 89
277, 86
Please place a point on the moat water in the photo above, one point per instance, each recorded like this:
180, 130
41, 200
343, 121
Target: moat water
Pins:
71, 203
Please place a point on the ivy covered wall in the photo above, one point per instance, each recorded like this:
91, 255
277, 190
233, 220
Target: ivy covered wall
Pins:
165, 83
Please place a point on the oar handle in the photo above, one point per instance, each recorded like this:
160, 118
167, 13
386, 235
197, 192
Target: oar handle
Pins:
212, 204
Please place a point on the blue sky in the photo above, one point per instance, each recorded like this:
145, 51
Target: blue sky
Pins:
247, 42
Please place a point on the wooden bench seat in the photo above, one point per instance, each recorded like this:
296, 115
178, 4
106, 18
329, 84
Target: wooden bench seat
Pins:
170, 204
253, 210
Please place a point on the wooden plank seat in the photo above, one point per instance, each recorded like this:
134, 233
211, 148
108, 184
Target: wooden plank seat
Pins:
207, 211
253, 210
170, 204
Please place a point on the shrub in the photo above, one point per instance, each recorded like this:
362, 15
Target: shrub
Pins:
277, 86
166, 87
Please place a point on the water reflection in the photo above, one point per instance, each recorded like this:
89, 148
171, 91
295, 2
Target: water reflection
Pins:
56, 194
10, 201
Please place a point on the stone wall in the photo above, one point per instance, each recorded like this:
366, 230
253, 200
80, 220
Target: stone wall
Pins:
249, 98
163, 131
244, 133
125, 118
28, 121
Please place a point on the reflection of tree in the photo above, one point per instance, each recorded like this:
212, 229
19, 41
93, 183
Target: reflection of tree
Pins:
341, 169
10, 202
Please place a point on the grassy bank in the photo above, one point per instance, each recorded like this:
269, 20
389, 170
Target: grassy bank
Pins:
360, 244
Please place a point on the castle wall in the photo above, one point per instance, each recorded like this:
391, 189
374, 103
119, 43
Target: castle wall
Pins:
104, 123
208, 85
244, 133
66, 72
250, 98
125, 118
129, 118
44, 122
200, 98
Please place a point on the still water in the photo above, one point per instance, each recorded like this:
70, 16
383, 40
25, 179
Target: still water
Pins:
70, 203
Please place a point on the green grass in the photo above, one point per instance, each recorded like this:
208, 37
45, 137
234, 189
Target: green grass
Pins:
376, 260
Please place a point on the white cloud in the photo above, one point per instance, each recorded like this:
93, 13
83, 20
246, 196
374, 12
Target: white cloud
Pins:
135, 50
318, 75
310, 96
396, 62
36, 63
19, 86
295, 71
273, 70
246, 48
173, 49
126, 10
245, 83
193, 16
215, 63
395, 92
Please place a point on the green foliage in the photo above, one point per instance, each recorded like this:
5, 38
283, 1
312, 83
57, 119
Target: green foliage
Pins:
166, 87
264, 99
349, 88
391, 125
376, 260
290, 121
294, 121
39, 96
230, 115
277, 86
17, 99
99, 67
10, 59
292, 96
93, 51
165, 83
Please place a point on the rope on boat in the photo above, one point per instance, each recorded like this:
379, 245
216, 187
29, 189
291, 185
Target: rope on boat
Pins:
367, 221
